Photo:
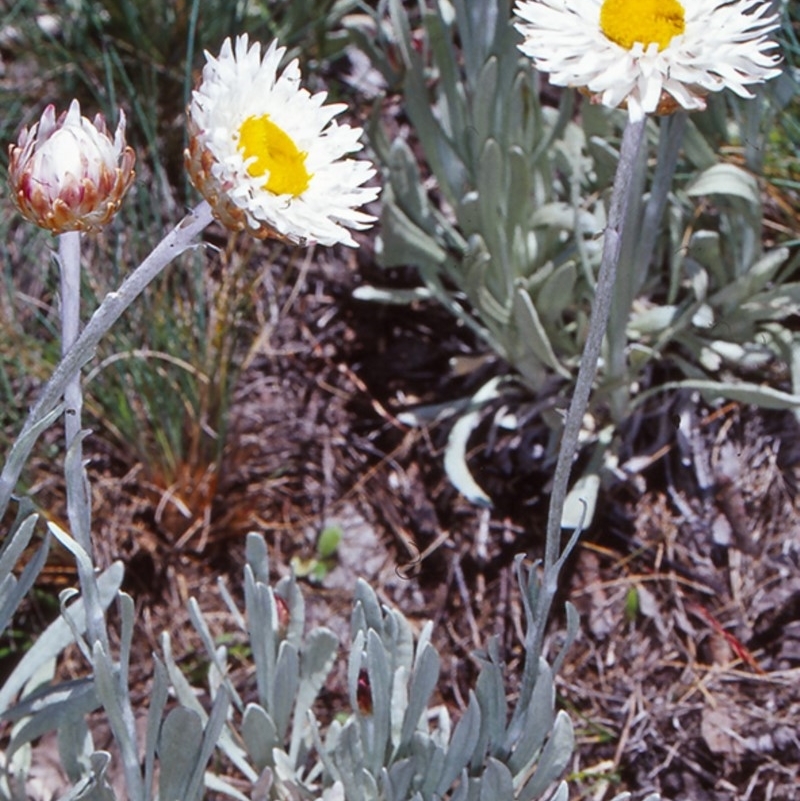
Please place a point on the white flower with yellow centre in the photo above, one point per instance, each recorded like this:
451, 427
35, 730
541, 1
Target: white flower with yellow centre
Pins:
268, 155
651, 55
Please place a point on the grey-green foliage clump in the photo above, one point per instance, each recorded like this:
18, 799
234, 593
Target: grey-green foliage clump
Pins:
392, 744
507, 232
498, 236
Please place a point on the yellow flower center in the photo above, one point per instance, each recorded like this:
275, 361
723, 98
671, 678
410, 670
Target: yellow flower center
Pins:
628, 21
276, 154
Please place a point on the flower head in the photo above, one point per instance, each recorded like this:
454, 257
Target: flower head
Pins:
651, 55
68, 173
267, 155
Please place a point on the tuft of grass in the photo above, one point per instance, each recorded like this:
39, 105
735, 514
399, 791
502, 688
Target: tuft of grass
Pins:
160, 389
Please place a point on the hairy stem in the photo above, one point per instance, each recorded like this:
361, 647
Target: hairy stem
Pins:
632, 141
78, 503
69, 258
78, 493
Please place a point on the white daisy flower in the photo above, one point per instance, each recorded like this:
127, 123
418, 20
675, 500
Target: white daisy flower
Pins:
651, 55
267, 155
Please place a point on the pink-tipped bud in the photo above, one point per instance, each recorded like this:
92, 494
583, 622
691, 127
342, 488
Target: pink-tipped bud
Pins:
69, 174
364, 693
284, 616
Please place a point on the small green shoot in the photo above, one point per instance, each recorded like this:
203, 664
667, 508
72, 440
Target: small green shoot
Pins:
317, 567
631, 604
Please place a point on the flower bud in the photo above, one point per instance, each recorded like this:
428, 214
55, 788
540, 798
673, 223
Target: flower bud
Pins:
283, 615
364, 693
68, 174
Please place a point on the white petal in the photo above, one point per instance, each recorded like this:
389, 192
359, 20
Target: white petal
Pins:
725, 45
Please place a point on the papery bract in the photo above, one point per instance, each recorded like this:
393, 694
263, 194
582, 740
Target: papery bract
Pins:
68, 173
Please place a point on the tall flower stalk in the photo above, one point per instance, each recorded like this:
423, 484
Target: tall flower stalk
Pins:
632, 141
79, 506
69, 260
68, 174
649, 57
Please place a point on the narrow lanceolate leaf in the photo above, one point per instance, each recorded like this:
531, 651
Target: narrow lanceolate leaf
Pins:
316, 661
491, 696
531, 329
211, 737
15, 542
179, 751
496, 782
726, 179
537, 722
201, 626
349, 758
555, 758
257, 557
374, 696
259, 735
743, 391
366, 601
455, 459
57, 636
423, 682
13, 590
287, 679
115, 699
158, 700
462, 745
49, 709
404, 242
